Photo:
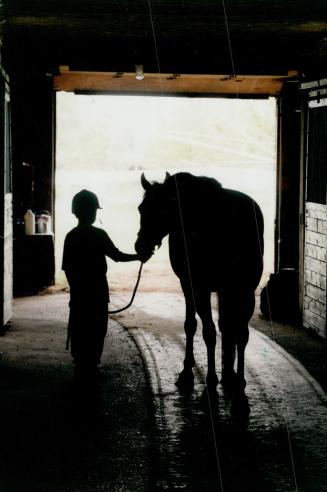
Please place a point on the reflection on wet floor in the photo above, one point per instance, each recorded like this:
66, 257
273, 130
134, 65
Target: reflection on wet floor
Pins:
205, 443
208, 451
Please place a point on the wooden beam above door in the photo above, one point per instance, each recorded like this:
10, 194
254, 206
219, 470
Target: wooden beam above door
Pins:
171, 84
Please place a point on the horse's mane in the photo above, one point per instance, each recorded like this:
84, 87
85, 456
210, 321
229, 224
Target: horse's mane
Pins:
193, 188
188, 179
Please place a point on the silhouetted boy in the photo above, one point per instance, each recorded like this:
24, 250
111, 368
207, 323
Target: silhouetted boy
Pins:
85, 266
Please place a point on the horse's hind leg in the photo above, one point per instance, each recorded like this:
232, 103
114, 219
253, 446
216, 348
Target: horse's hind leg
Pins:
246, 308
186, 377
235, 311
228, 347
203, 307
228, 343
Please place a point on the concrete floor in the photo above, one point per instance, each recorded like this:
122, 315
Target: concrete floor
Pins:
56, 436
135, 431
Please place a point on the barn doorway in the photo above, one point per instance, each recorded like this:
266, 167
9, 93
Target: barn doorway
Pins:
104, 143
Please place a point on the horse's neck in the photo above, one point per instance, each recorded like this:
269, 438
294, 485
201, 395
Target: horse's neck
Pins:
194, 189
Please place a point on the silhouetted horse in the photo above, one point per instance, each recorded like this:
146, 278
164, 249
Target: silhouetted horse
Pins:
215, 245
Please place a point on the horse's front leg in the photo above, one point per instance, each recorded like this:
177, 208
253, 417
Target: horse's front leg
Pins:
186, 377
203, 307
241, 343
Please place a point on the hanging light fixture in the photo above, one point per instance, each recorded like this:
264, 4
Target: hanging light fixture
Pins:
139, 72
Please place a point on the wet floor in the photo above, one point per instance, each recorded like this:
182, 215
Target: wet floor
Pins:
57, 436
136, 430
206, 441
203, 446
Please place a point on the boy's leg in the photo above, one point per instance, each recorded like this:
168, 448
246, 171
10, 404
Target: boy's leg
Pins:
88, 326
99, 332
79, 327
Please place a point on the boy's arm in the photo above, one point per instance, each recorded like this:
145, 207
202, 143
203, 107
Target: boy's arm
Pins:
127, 256
117, 255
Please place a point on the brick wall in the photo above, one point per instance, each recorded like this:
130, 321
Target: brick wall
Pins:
315, 268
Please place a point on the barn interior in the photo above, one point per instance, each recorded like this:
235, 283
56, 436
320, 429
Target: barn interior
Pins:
246, 49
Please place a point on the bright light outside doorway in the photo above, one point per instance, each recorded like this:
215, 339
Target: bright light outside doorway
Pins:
104, 143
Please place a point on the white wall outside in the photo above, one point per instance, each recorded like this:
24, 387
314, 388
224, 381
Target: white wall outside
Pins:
105, 142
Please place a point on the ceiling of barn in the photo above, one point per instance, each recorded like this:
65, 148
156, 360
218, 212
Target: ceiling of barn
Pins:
230, 37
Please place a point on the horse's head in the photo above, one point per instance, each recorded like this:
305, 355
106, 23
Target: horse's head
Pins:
154, 220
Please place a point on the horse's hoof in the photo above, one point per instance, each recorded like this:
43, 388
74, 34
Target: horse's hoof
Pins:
240, 408
185, 380
229, 380
212, 381
232, 383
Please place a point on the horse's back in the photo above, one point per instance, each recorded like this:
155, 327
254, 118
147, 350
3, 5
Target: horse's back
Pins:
222, 232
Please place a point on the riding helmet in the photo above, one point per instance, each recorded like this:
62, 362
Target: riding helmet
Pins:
84, 201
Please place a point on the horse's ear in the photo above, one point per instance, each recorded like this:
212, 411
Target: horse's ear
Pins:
167, 175
145, 183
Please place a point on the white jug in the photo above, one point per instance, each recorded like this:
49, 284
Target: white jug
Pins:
29, 219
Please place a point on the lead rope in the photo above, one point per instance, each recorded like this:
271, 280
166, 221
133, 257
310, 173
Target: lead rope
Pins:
133, 295
116, 310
